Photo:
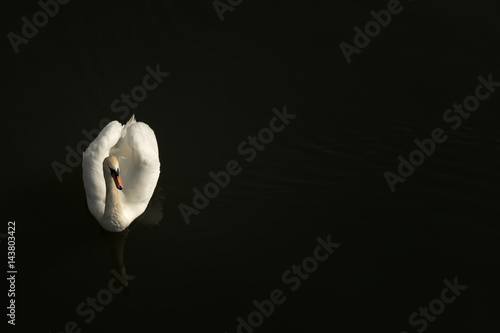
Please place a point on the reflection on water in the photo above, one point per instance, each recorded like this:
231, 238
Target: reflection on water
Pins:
116, 240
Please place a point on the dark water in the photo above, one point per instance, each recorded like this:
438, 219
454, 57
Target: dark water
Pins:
322, 175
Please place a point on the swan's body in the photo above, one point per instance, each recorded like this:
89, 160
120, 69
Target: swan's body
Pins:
127, 152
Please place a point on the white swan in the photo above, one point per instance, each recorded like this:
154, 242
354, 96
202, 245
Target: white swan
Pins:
120, 171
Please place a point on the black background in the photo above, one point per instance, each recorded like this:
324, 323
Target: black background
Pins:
323, 175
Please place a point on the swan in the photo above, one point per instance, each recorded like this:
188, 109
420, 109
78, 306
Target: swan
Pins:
121, 168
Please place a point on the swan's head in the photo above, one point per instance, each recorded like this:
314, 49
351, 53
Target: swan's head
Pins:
112, 168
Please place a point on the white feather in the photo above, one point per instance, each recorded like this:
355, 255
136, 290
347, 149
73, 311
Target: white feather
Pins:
135, 146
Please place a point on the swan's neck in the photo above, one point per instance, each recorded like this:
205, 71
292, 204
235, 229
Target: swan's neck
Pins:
113, 211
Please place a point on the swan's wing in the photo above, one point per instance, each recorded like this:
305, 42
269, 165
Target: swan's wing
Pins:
137, 153
154, 212
93, 177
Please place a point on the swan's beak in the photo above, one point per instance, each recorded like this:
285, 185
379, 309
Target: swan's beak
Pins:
118, 181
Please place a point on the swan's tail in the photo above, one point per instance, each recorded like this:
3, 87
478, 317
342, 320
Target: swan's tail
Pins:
131, 121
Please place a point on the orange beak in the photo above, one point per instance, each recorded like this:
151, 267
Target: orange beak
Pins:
118, 181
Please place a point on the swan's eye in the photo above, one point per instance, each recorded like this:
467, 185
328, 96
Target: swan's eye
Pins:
114, 172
